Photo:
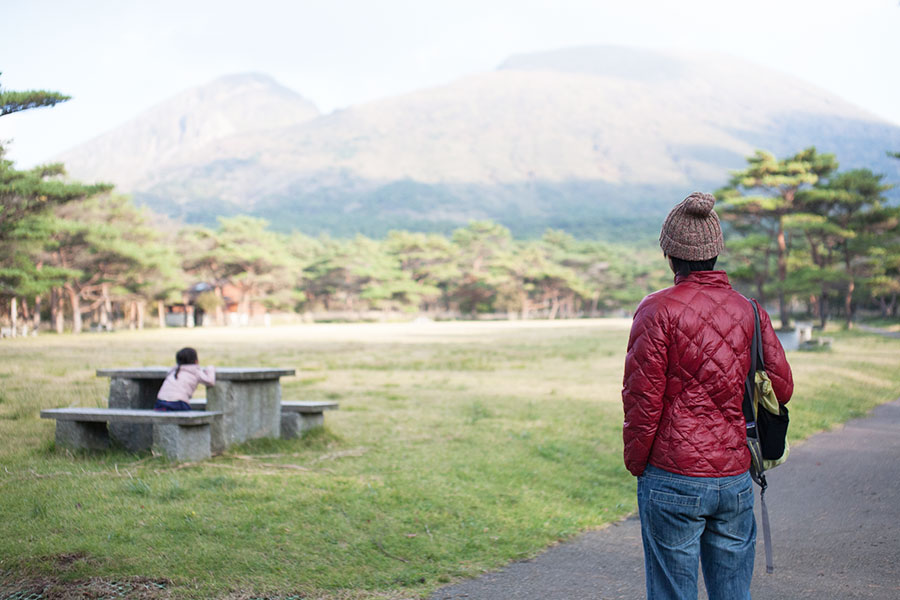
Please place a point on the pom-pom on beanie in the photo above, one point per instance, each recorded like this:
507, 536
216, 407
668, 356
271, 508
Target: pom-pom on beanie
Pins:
691, 231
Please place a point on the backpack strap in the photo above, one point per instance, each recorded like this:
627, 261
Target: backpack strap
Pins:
750, 381
767, 531
757, 338
757, 363
750, 384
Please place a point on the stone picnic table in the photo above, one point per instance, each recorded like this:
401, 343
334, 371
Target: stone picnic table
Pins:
248, 398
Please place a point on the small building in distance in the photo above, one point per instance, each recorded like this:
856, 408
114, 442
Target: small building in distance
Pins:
210, 304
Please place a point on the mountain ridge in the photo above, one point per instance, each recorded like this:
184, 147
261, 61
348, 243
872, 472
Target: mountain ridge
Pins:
168, 131
575, 136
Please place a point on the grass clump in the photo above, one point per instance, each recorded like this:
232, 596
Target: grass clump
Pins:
457, 448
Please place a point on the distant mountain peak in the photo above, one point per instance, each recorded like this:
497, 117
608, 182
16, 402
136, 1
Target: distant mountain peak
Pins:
247, 77
249, 82
611, 61
583, 139
172, 133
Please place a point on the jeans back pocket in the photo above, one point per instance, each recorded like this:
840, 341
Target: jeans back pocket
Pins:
674, 518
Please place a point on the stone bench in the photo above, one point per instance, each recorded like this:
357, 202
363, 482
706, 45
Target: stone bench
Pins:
179, 435
299, 417
296, 417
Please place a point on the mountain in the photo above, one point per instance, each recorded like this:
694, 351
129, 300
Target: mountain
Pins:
178, 130
597, 141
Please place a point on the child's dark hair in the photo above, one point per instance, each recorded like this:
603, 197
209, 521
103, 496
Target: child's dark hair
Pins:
686, 267
185, 356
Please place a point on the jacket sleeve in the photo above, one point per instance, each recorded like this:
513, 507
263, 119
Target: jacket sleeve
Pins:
644, 383
777, 367
207, 375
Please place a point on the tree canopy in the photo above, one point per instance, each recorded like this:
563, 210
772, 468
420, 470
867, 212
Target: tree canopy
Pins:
806, 230
12, 101
26, 197
760, 197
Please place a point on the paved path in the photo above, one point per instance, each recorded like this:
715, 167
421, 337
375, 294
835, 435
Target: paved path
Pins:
835, 511
884, 332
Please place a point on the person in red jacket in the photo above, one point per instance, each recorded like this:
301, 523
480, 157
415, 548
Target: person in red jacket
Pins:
684, 430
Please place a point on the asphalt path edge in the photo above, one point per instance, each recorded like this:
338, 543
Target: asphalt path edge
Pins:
835, 514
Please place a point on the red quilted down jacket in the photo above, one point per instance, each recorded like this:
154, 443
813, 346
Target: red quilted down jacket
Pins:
688, 357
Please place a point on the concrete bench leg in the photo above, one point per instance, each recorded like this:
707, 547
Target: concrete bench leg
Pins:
131, 393
250, 410
182, 442
294, 424
82, 434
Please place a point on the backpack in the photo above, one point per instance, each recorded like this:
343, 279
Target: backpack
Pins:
767, 423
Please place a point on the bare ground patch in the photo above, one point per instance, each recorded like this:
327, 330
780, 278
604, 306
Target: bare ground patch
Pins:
94, 588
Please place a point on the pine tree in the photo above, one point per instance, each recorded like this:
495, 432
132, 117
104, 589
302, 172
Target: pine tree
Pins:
858, 206
761, 196
25, 199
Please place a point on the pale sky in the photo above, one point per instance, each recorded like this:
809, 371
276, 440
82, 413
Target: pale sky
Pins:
117, 58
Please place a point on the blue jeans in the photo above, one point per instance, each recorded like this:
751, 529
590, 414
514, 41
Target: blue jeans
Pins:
690, 520
166, 405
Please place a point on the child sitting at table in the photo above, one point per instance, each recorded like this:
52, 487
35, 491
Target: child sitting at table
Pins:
182, 380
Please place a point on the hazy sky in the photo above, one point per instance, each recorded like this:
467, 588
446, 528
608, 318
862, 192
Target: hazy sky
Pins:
119, 57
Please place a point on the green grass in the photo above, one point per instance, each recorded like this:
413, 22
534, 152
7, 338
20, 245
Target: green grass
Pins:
457, 448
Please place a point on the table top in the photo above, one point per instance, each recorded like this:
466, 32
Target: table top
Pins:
222, 373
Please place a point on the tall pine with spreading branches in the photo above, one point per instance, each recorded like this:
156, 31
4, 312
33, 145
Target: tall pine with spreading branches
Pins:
26, 196
763, 195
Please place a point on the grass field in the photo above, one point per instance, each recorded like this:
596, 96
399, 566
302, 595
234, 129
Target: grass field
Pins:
458, 447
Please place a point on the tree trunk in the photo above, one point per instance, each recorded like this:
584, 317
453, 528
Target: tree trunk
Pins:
848, 303
554, 307
26, 316
141, 309
244, 308
782, 276
108, 309
36, 315
760, 293
161, 313
523, 300
220, 313
823, 310
13, 315
53, 307
75, 304
57, 307
105, 308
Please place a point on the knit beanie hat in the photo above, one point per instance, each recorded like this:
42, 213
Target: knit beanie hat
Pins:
691, 231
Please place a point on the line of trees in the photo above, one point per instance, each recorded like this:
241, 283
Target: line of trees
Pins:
802, 233
101, 259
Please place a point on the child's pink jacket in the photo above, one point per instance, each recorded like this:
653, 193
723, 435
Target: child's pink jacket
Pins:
189, 376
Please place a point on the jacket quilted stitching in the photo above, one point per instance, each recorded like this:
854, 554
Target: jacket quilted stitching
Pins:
688, 356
